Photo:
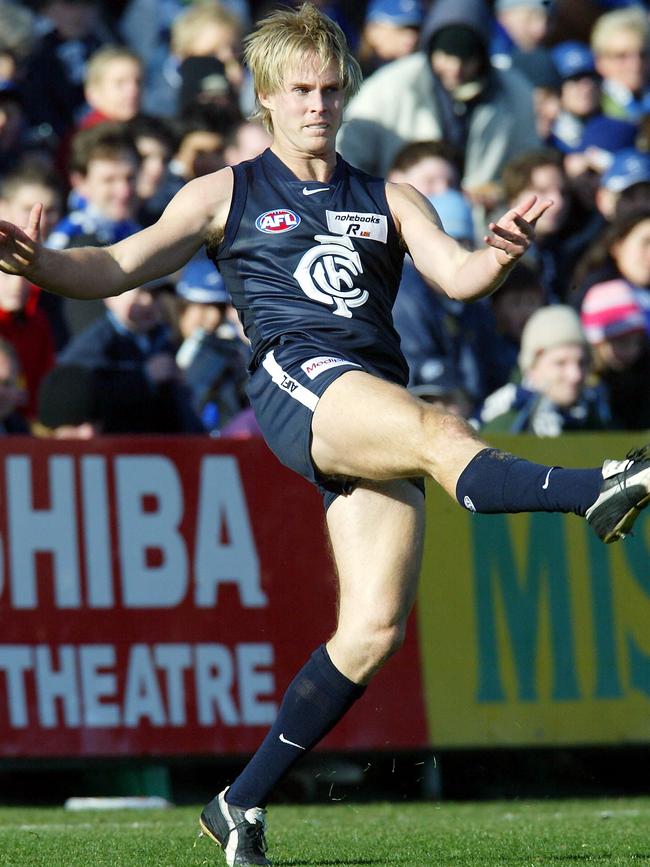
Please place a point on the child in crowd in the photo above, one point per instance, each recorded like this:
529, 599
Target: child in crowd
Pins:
620, 252
112, 86
103, 171
616, 329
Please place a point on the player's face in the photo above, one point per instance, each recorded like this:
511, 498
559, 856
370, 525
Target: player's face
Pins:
307, 111
559, 373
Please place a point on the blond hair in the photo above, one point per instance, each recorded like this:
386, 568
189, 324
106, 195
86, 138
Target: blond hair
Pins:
190, 24
283, 38
103, 57
633, 19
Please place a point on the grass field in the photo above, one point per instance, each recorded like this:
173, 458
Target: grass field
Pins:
526, 834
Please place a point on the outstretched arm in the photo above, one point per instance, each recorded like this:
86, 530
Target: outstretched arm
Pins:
198, 210
462, 274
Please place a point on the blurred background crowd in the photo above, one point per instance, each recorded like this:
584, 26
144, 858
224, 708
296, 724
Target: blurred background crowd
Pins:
108, 108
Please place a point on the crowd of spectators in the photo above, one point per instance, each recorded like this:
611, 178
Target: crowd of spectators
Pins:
108, 109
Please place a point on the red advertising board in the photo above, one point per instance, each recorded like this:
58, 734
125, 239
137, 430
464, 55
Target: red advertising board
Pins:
158, 594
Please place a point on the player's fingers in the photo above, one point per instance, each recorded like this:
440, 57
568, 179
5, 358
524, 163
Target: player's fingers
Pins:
9, 267
501, 244
524, 225
519, 212
25, 245
508, 235
33, 228
539, 208
523, 207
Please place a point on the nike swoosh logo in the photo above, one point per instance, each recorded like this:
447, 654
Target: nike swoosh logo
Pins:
291, 743
308, 192
545, 485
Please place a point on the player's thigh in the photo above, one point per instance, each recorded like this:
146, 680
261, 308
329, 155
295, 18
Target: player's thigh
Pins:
367, 427
376, 535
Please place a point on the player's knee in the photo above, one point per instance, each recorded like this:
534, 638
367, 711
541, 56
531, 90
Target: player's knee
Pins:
385, 641
442, 427
366, 646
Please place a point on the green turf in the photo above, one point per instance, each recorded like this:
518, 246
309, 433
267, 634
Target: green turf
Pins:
525, 834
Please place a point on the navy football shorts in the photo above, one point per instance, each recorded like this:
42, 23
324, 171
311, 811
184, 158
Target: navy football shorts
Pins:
284, 391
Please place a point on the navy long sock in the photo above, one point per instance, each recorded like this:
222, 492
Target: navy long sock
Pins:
316, 699
495, 481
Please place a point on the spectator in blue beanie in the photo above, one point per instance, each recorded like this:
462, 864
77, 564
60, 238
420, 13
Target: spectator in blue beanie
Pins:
579, 93
391, 30
625, 185
212, 355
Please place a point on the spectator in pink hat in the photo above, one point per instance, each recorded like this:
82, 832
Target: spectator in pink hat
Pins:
614, 325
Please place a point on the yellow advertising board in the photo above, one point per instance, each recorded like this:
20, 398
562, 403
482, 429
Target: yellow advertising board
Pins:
533, 632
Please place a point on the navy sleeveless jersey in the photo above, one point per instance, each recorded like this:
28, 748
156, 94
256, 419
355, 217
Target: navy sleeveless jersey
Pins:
314, 262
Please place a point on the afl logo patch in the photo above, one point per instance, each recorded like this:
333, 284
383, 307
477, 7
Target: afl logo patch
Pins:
277, 222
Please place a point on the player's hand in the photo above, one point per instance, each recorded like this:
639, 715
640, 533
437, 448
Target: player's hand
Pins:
513, 234
19, 247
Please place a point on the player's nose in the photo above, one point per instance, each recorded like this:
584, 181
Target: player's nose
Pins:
317, 102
